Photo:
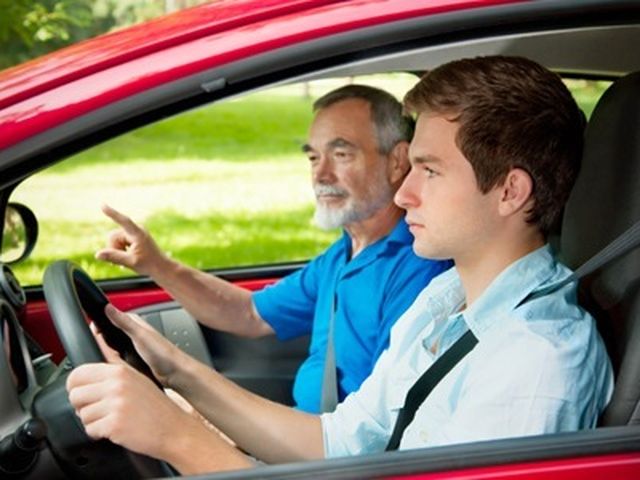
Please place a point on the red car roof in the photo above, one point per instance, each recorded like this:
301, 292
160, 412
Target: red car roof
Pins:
50, 90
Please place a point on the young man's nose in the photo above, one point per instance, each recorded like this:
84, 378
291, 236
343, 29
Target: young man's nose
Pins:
406, 196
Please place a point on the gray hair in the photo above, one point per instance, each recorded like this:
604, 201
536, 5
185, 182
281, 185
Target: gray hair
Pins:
392, 126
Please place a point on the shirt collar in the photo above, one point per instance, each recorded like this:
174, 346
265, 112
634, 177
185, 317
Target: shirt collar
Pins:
400, 235
516, 282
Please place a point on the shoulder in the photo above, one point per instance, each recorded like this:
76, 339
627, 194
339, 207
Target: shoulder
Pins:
558, 339
328, 258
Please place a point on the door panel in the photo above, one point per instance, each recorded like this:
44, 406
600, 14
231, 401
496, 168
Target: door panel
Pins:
265, 366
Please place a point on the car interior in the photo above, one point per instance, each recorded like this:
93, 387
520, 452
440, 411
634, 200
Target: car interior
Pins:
603, 205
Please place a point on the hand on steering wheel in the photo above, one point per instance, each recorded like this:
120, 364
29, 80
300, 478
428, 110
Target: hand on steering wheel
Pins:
70, 292
72, 297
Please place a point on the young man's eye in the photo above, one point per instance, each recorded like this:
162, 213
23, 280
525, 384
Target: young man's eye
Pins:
430, 172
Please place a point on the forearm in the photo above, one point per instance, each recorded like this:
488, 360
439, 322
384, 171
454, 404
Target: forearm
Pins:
196, 449
267, 430
214, 302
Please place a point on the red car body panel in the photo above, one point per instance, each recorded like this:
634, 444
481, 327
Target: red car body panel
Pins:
99, 72
618, 467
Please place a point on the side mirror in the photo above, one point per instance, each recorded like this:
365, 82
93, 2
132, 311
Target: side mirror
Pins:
19, 234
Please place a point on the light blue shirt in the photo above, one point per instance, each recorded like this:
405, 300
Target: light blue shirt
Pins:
540, 365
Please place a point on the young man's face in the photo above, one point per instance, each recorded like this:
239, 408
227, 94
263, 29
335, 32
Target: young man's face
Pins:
348, 172
447, 214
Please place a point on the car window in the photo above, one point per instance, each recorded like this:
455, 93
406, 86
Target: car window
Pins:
225, 185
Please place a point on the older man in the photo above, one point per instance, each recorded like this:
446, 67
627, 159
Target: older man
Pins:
357, 149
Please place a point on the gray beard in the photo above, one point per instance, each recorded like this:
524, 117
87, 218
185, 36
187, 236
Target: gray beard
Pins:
327, 218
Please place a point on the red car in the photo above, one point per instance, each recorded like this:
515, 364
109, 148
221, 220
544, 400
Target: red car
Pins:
68, 105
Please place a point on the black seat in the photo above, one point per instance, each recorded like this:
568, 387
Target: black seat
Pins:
604, 203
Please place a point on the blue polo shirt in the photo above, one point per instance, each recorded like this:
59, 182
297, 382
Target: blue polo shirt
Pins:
372, 290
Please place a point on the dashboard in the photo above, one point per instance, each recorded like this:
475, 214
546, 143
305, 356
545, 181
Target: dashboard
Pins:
40, 435
24, 370
12, 346
17, 366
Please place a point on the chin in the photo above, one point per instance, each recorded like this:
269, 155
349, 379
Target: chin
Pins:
425, 250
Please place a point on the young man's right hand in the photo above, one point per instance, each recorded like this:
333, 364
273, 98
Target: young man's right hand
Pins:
131, 246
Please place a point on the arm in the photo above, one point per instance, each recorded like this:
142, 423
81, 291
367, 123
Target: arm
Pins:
212, 301
107, 396
267, 430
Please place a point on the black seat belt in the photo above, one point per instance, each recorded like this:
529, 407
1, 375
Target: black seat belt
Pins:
627, 241
427, 382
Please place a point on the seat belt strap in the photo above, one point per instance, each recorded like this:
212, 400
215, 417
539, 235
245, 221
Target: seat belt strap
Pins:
621, 245
329, 396
427, 382
626, 242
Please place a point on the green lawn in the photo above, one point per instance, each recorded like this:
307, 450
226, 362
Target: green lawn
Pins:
221, 186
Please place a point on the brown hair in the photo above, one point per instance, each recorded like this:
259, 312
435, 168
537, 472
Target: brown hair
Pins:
513, 113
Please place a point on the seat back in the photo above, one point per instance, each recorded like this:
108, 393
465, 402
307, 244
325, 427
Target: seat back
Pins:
604, 203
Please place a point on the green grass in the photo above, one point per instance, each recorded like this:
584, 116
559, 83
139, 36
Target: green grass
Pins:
212, 239
224, 185
207, 213
261, 127
587, 93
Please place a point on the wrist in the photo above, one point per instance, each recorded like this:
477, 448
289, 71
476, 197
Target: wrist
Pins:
184, 375
163, 268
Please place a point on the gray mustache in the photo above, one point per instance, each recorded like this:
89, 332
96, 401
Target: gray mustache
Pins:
329, 190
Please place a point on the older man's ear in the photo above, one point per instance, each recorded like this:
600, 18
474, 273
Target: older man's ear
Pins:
398, 165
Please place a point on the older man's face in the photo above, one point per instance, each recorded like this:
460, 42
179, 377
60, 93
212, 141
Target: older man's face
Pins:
349, 174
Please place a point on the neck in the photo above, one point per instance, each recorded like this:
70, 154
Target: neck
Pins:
479, 269
369, 231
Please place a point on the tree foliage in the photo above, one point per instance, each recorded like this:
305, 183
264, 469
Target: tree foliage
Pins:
30, 28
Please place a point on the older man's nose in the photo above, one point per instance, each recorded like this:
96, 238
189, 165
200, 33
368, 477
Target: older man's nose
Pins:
323, 171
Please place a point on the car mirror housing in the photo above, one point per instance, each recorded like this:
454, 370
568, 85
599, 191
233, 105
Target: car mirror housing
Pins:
19, 234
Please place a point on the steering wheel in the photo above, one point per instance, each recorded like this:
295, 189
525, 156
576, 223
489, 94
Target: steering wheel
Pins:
70, 293
72, 296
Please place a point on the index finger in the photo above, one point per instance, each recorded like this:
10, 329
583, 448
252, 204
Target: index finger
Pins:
121, 219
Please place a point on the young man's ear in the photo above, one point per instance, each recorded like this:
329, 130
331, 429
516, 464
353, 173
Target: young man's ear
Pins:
517, 192
398, 165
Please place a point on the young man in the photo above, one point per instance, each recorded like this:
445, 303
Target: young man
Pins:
495, 154
357, 149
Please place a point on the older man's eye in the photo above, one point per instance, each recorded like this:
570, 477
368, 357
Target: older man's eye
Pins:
342, 154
